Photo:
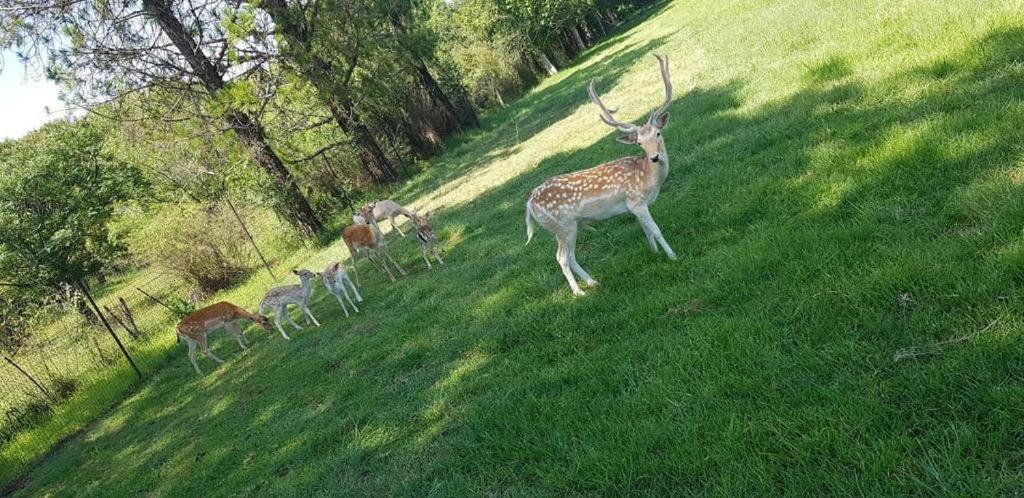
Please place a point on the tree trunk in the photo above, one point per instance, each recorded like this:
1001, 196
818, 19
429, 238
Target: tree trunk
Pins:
463, 120
497, 94
545, 63
295, 207
322, 75
375, 163
574, 32
611, 17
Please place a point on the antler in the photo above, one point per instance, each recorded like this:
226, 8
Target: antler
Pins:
663, 62
606, 113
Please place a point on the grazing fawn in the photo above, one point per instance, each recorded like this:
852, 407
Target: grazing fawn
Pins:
194, 327
426, 237
367, 237
335, 279
629, 184
386, 209
278, 299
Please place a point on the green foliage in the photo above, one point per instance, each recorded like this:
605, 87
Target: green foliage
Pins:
59, 190
846, 184
202, 245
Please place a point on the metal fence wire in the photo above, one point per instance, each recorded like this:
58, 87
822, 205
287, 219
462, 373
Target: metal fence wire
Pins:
69, 359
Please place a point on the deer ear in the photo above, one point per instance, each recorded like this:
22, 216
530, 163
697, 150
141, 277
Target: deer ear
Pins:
295, 271
628, 138
661, 121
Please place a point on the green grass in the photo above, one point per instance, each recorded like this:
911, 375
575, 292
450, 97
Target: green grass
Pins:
845, 189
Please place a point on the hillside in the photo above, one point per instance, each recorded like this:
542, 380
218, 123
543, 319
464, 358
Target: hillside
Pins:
844, 317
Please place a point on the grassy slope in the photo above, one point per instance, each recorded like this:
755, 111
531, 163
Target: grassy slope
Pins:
828, 158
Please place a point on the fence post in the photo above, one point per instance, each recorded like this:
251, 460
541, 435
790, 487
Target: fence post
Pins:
157, 301
30, 378
249, 235
85, 290
119, 321
131, 319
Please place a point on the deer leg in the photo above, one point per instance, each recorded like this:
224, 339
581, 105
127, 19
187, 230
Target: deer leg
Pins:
354, 289
643, 215
388, 255
209, 354
378, 261
423, 252
342, 303
437, 255
233, 330
277, 322
394, 224
566, 244
309, 314
345, 291
639, 212
384, 264
283, 310
192, 355
579, 271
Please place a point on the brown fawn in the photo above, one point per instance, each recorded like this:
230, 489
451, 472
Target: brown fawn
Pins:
194, 327
360, 238
426, 237
629, 184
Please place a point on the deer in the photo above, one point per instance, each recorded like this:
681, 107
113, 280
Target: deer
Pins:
278, 299
426, 237
626, 185
367, 237
386, 209
194, 328
335, 279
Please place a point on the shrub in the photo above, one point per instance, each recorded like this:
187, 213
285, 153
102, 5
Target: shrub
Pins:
202, 245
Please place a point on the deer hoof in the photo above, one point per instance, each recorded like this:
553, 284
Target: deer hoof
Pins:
672, 256
590, 283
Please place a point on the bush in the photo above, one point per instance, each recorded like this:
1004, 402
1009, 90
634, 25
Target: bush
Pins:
20, 417
202, 245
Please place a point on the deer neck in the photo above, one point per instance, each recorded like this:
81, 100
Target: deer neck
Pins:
307, 284
659, 168
241, 313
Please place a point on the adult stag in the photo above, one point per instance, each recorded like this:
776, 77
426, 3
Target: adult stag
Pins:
629, 184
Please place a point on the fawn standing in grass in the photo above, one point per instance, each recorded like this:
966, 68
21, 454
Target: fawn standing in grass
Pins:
194, 327
278, 299
381, 210
625, 185
367, 237
426, 237
335, 279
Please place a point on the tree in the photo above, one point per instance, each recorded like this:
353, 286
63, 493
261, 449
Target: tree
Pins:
416, 45
328, 61
58, 192
105, 51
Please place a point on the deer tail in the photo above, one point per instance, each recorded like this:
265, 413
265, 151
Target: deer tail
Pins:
529, 222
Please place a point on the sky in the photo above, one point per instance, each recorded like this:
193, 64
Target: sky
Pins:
24, 99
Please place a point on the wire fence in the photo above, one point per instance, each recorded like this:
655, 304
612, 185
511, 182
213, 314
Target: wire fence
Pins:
71, 367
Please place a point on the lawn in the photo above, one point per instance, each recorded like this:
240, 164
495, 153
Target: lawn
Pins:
844, 317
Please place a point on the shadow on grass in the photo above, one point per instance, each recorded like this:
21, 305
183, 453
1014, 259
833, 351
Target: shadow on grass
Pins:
759, 363
532, 114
